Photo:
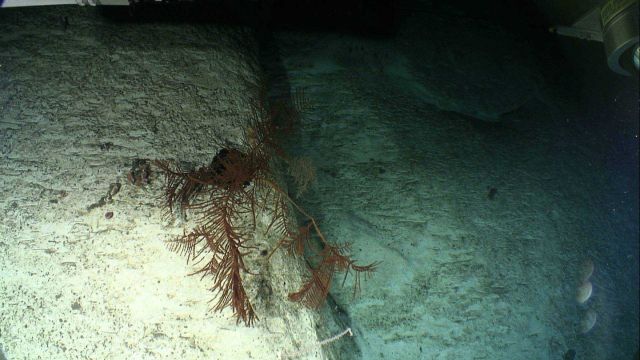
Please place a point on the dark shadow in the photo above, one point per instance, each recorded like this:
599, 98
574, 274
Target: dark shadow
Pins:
364, 17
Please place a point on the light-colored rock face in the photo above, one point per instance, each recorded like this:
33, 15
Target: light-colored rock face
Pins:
84, 269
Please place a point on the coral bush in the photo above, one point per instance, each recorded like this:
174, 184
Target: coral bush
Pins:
226, 195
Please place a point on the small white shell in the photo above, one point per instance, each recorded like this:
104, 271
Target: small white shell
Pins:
584, 292
586, 271
588, 321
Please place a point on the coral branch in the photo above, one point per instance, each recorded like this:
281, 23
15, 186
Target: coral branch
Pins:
227, 194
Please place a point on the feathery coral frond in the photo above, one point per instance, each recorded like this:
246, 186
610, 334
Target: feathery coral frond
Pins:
314, 292
227, 194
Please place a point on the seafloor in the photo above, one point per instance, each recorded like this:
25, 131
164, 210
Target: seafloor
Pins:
483, 170
486, 170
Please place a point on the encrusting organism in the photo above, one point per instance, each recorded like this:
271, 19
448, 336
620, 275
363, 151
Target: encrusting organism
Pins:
226, 195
